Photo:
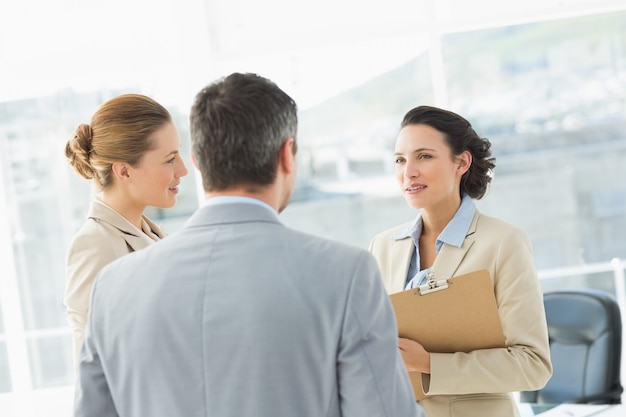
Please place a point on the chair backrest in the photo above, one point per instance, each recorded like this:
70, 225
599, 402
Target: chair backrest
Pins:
585, 330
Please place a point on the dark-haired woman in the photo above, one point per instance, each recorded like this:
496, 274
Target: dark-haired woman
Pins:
441, 166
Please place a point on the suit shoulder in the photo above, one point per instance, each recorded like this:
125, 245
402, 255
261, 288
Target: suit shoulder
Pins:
96, 228
325, 246
386, 235
500, 227
486, 220
95, 235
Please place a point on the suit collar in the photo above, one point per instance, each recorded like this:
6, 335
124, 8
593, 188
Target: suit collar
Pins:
452, 244
230, 199
231, 213
446, 263
450, 257
400, 260
135, 238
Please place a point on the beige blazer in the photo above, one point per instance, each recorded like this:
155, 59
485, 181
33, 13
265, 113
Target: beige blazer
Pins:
480, 383
104, 237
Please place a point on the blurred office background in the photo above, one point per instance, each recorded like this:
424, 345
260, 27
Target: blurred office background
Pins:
545, 81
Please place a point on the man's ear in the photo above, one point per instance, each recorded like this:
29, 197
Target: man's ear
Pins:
193, 161
121, 171
287, 156
464, 161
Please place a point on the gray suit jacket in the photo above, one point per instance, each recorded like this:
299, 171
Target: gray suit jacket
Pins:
237, 315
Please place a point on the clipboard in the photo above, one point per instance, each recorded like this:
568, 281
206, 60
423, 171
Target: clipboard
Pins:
458, 314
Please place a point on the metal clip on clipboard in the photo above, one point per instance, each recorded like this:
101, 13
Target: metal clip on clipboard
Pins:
433, 285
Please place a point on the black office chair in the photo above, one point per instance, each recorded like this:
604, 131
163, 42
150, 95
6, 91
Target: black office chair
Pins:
585, 330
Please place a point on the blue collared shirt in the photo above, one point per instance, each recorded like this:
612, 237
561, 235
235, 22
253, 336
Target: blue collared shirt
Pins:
453, 234
229, 199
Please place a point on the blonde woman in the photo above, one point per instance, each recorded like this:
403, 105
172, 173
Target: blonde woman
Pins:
130, 152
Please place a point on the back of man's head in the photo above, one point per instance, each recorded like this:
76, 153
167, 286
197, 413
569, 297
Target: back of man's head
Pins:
238, 125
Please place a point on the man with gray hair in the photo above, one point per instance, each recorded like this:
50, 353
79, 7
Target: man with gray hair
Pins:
236, 314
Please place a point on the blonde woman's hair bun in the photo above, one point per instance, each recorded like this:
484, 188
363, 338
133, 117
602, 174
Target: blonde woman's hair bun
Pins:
78, 151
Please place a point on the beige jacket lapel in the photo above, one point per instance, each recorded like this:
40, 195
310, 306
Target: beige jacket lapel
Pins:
135, 238
450, 257
399, 263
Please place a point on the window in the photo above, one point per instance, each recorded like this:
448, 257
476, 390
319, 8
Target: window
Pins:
548, 93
